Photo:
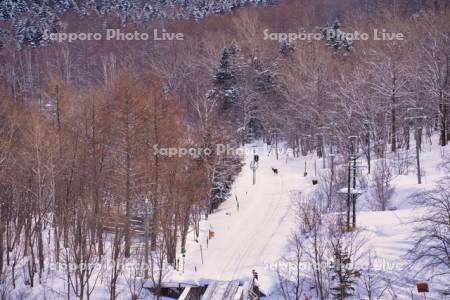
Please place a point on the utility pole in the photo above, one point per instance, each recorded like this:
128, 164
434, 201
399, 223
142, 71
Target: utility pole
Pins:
415, 114
352, 192
351, 196
349, 178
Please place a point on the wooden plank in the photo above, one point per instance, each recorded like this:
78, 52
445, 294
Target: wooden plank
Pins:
221, 290
212, 286
230, 290
239, 294
185, 294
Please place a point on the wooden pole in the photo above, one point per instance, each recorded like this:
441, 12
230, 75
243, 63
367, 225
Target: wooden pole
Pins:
254, 175
201, 252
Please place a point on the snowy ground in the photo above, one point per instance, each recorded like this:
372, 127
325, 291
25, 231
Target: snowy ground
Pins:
255, 236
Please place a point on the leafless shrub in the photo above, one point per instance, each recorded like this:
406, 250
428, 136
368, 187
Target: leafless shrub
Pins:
431, 246
341, 176
134, 273
373, 282
327, 191
315, 249
445, 165
290, 272
402, 162
382, 189
5, 286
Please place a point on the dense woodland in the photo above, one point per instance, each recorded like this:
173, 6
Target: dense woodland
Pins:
79, 121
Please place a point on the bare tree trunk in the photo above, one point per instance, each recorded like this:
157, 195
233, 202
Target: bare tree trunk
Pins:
349, 177
38, 228
393, 125
1, 239
155, 202
443, 114
127, 180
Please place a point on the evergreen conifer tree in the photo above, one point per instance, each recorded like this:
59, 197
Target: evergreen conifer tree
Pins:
343, 273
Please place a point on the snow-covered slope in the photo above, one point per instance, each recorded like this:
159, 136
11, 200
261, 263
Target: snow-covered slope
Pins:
253, 236
256, 235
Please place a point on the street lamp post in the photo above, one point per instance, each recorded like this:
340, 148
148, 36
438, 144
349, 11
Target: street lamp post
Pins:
254, 166
304, 140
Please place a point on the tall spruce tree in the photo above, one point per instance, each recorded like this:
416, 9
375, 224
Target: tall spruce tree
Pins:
335, 37
343, 273
226, 90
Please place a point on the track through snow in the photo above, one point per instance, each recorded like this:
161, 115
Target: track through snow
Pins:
255, 236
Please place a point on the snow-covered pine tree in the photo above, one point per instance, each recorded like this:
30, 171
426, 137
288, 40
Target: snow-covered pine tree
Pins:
226, 79
61, 5
224, 175
343, 272
286, 48
3, 37
265, 79
335, 37
27, 33
150, 11
6, 9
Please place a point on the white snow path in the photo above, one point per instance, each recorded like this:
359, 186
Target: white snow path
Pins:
255, 236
